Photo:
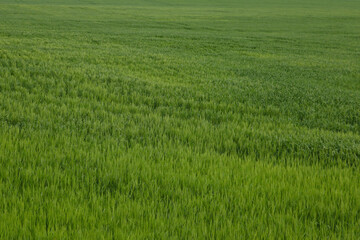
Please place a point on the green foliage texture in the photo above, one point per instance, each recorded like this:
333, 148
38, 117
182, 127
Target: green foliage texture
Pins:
187, 119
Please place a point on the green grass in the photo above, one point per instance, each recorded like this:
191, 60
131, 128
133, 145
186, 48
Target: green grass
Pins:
179, 119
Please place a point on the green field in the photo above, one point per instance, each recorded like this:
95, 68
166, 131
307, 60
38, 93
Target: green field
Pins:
179, 119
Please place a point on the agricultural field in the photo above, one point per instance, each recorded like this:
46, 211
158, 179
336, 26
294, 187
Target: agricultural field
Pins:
179, 119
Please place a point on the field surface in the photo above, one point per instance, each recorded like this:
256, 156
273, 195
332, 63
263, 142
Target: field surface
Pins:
186, 119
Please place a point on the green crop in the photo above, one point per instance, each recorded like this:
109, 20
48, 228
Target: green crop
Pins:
179, 119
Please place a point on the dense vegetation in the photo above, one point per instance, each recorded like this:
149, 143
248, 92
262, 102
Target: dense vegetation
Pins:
167, 119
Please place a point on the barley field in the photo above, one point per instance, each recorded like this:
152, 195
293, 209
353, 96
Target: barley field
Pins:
179, 119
